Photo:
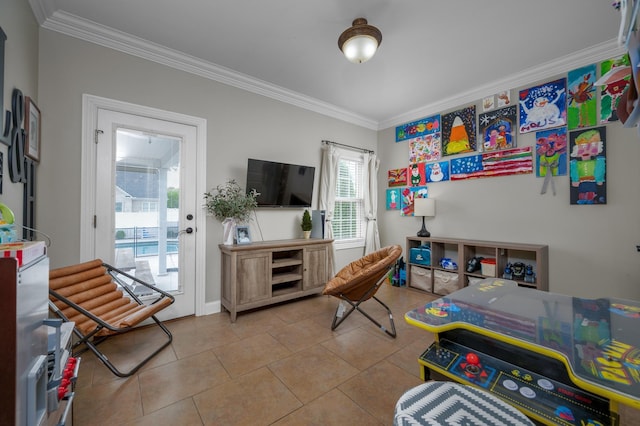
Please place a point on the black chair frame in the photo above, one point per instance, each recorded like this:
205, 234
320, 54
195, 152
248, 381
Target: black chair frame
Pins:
355, 306
91, 341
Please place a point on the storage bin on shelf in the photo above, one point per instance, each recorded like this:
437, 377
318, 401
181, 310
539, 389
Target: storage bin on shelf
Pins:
488, 267
421, 278
445, 282
421, 255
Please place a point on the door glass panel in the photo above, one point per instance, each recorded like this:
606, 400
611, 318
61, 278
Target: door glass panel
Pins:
146, 208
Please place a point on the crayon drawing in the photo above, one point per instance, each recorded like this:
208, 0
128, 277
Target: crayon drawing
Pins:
582, 103
543, 106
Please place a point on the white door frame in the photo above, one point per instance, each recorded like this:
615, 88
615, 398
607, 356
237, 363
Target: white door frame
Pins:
90, 106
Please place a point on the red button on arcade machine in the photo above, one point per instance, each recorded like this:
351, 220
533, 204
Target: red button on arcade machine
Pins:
472, 368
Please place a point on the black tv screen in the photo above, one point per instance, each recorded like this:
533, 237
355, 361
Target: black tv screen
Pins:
280, 184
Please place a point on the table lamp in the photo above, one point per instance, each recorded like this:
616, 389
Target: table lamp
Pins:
425, 207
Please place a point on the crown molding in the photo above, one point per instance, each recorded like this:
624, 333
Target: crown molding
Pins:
74, 26
594, 54
92, 32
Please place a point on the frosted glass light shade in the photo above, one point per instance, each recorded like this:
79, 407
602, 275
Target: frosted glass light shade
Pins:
360, 42
360, 49
425, 207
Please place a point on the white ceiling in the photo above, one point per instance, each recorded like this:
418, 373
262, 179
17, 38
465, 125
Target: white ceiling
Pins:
434, 54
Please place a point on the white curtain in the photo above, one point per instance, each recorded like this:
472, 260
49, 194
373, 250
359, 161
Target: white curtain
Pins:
328, 180
372, 237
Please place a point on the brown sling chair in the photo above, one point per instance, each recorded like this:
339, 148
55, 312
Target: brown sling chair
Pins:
359, 281
96, 297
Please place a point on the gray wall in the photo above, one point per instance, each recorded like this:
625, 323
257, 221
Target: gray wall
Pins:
21, 72
592, 248
239, 125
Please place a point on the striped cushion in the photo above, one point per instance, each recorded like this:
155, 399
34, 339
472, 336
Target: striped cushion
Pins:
446, 403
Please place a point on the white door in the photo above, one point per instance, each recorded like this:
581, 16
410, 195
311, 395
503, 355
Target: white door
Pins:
146, 203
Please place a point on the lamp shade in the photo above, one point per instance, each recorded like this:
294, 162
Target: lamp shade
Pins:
425, 207
360, 42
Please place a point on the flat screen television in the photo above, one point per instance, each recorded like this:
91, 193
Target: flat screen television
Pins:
280, 184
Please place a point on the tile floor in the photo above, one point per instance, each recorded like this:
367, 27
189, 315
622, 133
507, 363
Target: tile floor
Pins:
280, 365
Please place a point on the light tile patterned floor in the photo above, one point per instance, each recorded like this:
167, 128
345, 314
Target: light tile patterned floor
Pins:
276, 366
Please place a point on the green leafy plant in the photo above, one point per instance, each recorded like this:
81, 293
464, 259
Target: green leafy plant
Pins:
231, 201
306, 221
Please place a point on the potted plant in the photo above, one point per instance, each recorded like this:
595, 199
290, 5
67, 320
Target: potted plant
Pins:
231, 205
306, 224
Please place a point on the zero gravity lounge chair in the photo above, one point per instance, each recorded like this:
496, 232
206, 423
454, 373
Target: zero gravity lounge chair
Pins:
359, 281
96, 297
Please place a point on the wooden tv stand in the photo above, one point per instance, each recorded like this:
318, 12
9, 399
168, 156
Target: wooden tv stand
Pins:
263, 273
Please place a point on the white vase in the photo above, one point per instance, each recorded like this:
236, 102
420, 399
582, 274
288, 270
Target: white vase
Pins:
307, 234
229, 230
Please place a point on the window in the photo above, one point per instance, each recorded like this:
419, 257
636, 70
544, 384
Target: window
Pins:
149, 206
348, 220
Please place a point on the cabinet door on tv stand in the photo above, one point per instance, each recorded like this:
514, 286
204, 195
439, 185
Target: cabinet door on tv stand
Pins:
254, 277
316, 261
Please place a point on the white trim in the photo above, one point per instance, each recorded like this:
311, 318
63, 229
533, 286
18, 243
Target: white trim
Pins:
93, 32
348, 244
212, 308
541, 72
90, 106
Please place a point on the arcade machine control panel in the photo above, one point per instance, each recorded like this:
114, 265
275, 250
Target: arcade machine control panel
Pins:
560, 360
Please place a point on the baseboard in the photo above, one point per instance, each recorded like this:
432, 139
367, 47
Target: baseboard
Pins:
212, 307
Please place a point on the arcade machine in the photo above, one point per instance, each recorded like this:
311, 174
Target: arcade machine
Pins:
559, 359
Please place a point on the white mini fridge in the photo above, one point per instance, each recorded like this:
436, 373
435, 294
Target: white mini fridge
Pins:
24, 294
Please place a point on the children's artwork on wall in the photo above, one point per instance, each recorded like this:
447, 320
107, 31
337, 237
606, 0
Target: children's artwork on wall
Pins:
551, 152
615, 77
393, 199
406, 207
408, 195
437, 172
587, 167
543, 107
498, 163
459, 131
397, 177
416, 175
488, 103
498, 128
425, 148
420, 192
466, 167
582, 103
504, 98
424, 126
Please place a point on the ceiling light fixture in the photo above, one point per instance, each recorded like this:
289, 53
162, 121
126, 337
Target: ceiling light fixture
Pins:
360, 42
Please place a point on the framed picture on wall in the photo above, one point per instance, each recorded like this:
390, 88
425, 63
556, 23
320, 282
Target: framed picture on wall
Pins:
32, 130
